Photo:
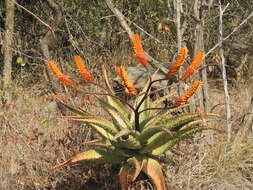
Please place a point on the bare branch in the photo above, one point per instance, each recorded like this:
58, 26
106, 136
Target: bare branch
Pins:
120, 17
224, 76
49, 37
35, 16
148, 34
178, 22
228, 36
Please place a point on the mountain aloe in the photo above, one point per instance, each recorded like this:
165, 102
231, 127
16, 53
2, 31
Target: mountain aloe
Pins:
134, 135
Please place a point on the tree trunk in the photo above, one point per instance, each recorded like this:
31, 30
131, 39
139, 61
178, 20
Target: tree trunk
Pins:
177, 7
224, 75
199, 46
203, 97
9, 25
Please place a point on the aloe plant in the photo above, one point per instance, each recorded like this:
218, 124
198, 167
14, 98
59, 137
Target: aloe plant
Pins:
136, 134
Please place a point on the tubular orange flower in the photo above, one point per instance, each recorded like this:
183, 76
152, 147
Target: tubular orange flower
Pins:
65, 79
184, 98
83, 71
129, 88
139, 52
194, 65
175, 66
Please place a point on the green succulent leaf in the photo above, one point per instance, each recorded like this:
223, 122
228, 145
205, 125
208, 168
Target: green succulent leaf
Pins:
148, 121
191, 124
142, 104
130, 171
153, 119
175, 139
145, 114
154, 171
123, 132
126, 175
121, 108
105, 143
150, 125
104, 133
138, 163
157, 118
128, 141
107, 125
190, 118
120, 120
175, 123
155, 141
160, 100
122, 151
172, 124
97, 156
151, 132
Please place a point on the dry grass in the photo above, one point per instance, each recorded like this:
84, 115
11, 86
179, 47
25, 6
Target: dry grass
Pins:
34, 136
221, 166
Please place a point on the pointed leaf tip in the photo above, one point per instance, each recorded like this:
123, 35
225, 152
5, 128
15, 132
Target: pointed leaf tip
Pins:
154, 170
97, 156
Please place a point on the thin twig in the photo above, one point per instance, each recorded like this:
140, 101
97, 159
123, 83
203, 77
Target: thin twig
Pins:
35, 16
228, 36
124, 24
106, 80
26, 55
17, 133
137, 26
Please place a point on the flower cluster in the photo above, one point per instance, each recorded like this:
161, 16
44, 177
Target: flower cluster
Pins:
63, 78
84, 72
194, 65
142, 58
175, 66
139, 52
129, 88
184, 98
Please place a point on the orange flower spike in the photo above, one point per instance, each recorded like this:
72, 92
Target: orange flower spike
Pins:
129, 87
122, 73
139, 52
194, 65
184, 98
83, 71
175, 66
65, 79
